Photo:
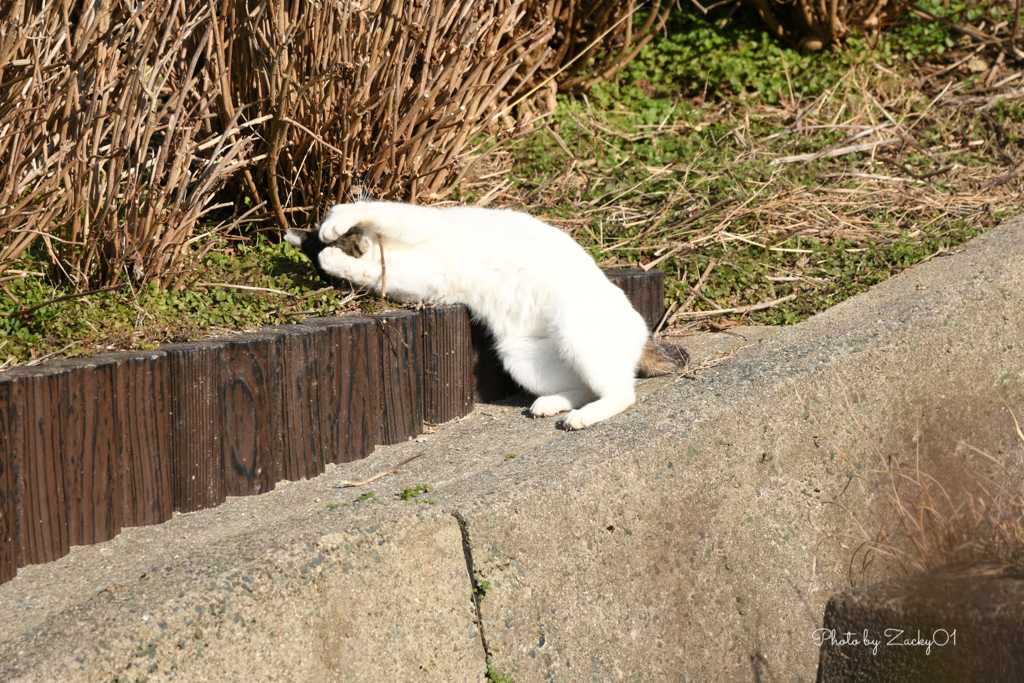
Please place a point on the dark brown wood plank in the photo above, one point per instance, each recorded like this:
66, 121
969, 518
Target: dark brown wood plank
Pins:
350, 388
645, 290
249, 386
196, 425
43, 512
143, 428
11, 447
89, 449
306, 441
401, 375
447, 363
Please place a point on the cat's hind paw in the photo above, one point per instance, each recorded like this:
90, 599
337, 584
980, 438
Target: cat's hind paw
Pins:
548, 406
574, 421
599, 410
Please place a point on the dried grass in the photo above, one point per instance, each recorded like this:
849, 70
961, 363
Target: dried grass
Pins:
913, 518
122, 124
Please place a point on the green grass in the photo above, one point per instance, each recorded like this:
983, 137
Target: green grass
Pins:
148, 316
414, 493
495, 676
676, 156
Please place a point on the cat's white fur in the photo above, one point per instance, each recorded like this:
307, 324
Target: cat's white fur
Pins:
561, 328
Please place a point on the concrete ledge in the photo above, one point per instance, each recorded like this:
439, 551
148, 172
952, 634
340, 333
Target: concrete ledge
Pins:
680, 544
683, 540
381, 596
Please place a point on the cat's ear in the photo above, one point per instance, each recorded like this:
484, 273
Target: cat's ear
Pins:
296, 238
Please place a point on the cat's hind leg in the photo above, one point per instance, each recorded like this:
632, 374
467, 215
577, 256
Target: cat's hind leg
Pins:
535, 364
602, 344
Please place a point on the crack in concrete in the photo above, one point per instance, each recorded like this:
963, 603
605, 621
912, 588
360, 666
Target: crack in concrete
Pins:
467, 551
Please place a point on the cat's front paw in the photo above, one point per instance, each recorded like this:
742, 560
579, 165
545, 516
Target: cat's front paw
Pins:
337, 263
338, 221
574, 420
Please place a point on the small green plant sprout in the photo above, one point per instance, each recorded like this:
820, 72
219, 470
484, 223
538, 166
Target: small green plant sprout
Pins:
333, 506
413, 493
482, 587
495, 676
511, 456
366, 496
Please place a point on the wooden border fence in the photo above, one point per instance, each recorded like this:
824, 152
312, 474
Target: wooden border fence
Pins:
89, 446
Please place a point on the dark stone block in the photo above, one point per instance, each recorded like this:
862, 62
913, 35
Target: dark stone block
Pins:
953, 625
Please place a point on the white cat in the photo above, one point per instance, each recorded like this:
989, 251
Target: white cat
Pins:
561, 328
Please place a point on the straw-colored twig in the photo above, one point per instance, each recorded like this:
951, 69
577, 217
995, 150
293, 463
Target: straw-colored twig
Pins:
351, 484
699, 315
383, 269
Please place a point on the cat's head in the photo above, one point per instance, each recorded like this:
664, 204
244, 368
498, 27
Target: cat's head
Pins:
354, 243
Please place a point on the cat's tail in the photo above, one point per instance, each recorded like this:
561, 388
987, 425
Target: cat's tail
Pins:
661, 359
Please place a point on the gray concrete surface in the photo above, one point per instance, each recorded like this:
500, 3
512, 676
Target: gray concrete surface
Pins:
690, 538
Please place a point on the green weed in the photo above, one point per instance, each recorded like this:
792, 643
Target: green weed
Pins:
494, 676
143, 317
414, 493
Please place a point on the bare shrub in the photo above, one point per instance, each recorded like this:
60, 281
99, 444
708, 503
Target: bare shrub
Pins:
385, 96
814, 25
393, 97
122, 123
102, 112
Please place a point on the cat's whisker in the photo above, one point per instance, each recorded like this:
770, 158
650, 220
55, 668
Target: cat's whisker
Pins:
383, 269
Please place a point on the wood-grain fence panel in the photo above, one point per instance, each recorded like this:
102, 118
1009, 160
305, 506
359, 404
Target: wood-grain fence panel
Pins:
11, 447
89, 447
447, 363
197, 425
645, 289
43, 512
401, 375
143, 429
307, 438
350, 393
249, 400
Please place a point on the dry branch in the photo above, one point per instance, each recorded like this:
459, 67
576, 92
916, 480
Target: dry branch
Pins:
837, 152
697, 315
